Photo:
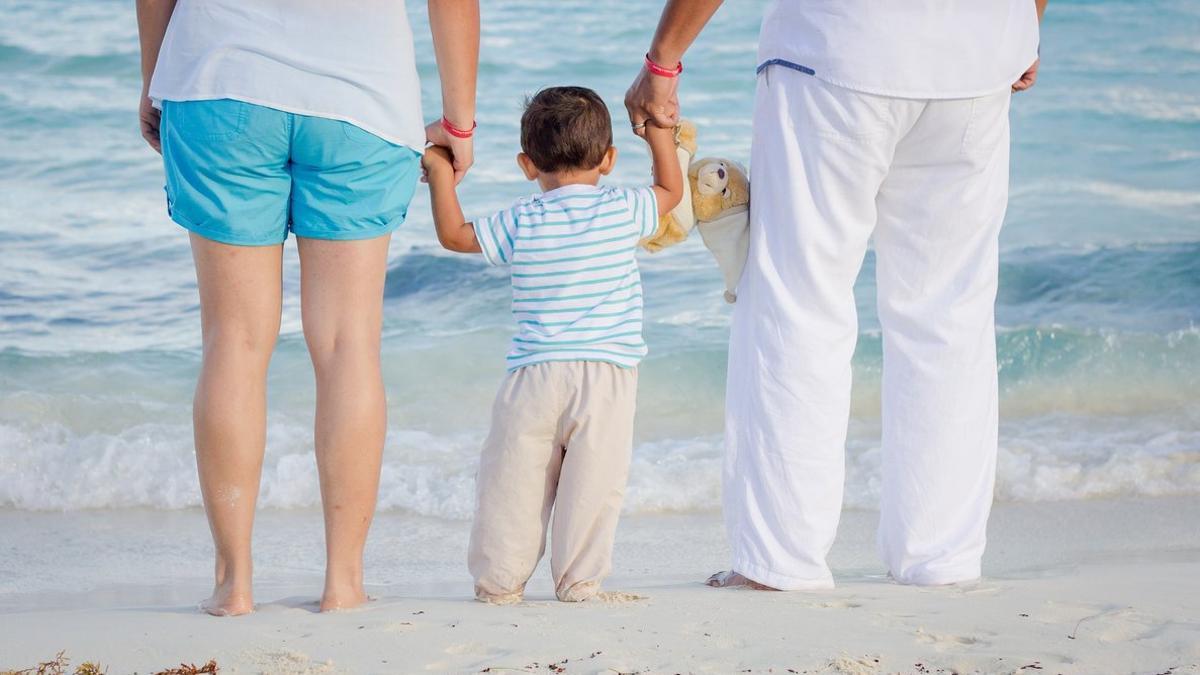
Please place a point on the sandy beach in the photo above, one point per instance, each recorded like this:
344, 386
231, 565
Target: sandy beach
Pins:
1073, 587
1093, 558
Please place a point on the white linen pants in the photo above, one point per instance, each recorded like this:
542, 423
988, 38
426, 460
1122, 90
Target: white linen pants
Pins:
929, 180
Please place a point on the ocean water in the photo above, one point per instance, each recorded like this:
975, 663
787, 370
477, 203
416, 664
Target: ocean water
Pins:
1098, 311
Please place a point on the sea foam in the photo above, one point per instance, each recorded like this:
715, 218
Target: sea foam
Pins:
153, 466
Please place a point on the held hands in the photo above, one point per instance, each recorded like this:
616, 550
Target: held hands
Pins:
460, 152
437, 164
652, 98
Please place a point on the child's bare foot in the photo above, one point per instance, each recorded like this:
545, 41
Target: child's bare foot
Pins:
500, 598
227, 600
584, 590
731, 579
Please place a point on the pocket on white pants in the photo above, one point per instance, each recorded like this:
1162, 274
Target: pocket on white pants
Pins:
831, 111
987, 127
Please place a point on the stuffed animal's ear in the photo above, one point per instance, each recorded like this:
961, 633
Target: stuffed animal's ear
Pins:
738, 188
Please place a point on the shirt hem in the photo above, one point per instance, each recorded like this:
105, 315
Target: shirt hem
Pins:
893, 93
597, 359
157, 98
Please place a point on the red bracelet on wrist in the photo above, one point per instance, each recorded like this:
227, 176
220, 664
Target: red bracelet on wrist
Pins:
656, 69
455, 131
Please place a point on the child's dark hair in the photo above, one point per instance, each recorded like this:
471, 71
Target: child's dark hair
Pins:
566, 128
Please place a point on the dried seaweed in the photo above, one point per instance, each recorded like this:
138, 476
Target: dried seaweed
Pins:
209, 668
60, 665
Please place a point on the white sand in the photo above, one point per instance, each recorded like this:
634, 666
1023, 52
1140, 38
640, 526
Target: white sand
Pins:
1072, 587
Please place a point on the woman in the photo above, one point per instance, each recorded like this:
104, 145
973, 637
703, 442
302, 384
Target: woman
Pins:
304, 116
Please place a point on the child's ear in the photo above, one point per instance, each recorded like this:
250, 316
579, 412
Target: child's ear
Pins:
609, 161
527, 166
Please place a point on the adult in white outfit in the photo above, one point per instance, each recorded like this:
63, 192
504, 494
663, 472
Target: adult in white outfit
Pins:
872, 119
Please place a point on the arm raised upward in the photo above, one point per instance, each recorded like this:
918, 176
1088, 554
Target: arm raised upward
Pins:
655, 97
455, 28
453, 231
668, 178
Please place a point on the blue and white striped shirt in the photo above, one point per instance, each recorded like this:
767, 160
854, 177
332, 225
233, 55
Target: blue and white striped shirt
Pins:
577, 293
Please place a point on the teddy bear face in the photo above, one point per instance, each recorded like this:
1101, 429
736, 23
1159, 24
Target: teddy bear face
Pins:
717, 186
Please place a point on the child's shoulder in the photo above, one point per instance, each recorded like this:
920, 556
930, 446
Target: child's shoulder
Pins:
573, 192
554, 200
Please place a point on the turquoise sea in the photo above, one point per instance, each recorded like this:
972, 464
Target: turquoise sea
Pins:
1098, 310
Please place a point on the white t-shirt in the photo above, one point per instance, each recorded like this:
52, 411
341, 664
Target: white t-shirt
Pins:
351, 61
905, 48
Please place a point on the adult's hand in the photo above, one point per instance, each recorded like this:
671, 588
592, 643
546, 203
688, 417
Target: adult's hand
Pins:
1028, 79
149, 119
454, 25
461, 149
652, 99
152, 19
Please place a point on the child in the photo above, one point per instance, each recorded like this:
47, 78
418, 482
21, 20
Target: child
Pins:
562, 423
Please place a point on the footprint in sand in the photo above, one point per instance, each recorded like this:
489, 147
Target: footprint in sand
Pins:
472, 649
980, 589
1106, 623
833, 604
848, 665
944, 641
290, 663
1119, 625
617, 597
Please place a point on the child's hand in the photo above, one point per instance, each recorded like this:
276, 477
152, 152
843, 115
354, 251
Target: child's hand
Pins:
651, 129
437, 163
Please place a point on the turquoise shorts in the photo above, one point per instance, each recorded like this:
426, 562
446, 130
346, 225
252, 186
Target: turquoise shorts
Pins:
245, 174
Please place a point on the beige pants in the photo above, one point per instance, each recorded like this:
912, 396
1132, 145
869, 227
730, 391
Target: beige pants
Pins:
561, 438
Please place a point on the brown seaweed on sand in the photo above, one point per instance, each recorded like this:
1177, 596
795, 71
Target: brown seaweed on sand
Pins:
58, 666
209, 668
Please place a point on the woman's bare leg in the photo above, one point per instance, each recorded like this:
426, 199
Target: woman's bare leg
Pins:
240, 303
341, 288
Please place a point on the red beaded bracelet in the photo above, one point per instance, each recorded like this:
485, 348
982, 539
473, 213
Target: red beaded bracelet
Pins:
455, 131
660, 71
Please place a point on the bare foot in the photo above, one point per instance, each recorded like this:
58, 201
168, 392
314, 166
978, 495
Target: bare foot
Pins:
343, 597
731, 579
499, 599
227, 601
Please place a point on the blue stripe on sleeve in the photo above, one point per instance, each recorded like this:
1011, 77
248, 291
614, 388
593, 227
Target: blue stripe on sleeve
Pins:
577, 294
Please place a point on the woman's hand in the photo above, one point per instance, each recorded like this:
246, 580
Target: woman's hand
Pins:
652, 98
454, 25
150, 118
462, 150
152, 19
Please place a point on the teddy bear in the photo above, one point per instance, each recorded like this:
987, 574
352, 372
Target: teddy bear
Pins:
716, 201
675, 226
721, 204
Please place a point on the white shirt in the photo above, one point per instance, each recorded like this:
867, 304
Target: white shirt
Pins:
905, 48
350, 61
